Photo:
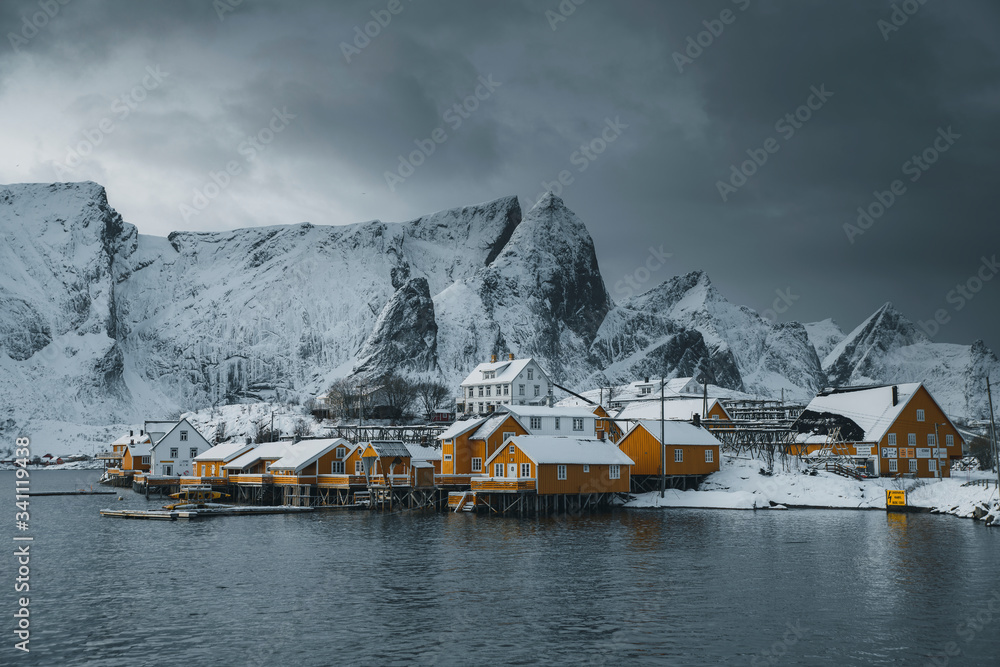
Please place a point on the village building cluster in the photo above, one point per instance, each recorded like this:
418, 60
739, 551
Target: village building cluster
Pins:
514, 449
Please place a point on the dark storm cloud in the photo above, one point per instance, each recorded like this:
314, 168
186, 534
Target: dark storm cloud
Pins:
560, 83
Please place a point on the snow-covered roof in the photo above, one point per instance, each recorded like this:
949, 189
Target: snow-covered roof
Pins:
159, 428
545, 411
492, 424
676, 433
225, 451
421, 453
560, 449
265, 450
678, 409
506, 370
389, 448
460, 427
871, 409
129, 439
307, 452
140, 448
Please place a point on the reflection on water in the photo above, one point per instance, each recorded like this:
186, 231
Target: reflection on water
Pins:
682, 587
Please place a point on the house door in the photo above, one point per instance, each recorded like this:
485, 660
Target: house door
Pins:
168, 470
512, 470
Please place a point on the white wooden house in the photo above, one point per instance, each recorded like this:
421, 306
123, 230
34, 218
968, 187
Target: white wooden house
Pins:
175, 446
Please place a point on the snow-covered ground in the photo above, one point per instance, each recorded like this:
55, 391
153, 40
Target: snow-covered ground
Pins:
739, 485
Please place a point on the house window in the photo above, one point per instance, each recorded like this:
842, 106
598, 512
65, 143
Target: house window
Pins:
535, 423
678, 456
920, 415
506, 389
931, 441
913, 465
508, 435
213, 469
893, 465
531, 373
525, 470
477, 465
480, 391
184, 436
520, 390
709, 456
472, 392
511, 449
911, 439
577, 424
498, 390
193, 452
614, 472
892, 439
498, 470
557, 423
447, 457
949, 441
340, 452
489, 390
715, 416
337, 467
537, 390
932, 465
359, 468
586, 468
561, 472
480, 405
173, 452
646, 390
145, 459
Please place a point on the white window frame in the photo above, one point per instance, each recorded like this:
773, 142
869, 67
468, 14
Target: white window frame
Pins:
359, 467
949, 441
932, 465
511, 449
520, 390
614, 472
557, 423
577, 424
536, 423
921, 415
678, 456
498, 470
447, 457
193, 452
507, 435
911, 439
892, 440
586, 467
560, 472
525, 470
506, 390
531, 373
913, 465
893, 465
174, 452
339, 453
184, 436
931, 440
538, 390
145, 459
477, 464
168, 470
337, 468
709, 456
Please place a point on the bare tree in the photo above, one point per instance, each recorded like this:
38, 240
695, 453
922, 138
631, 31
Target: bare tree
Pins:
431, 394
397, 394
220, 431
980, 448
301, 429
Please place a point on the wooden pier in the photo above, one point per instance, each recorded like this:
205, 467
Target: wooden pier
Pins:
175, 515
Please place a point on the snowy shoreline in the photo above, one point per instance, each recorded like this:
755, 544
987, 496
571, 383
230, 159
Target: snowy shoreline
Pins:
740, 486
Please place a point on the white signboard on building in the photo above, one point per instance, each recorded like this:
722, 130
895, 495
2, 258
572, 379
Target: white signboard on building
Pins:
923, 452
863, 451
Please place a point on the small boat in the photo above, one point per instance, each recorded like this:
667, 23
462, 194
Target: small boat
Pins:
194, 496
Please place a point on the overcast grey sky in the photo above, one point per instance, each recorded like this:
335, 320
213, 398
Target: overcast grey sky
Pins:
151, 98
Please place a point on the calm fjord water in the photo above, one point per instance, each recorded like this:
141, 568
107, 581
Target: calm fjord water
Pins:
680, 587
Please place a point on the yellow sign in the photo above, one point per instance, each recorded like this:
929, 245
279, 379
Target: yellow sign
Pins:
895, 498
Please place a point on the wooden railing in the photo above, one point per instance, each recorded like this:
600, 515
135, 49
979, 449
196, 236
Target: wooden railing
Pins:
490, 484
452, 480
215, 481
397, 480
109, 456
293, 479
342, 481
250, 479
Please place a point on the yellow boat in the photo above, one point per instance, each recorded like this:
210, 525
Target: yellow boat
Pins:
194, 495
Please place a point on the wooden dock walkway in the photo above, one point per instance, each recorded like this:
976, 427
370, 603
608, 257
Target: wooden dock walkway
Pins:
174, 515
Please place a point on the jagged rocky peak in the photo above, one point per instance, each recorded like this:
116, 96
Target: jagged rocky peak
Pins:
885, 330
824, 336
404, 338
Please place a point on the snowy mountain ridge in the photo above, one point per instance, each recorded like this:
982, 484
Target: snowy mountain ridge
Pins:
116, 326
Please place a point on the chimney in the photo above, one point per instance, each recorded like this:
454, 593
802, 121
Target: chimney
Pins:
130, 433
647, 379
511, 356
895, 395
493, 358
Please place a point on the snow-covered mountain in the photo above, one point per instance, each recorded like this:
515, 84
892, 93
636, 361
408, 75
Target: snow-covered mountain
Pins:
888, 348
101, 324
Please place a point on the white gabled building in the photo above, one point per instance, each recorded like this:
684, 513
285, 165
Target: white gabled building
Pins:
568, 421
175, 447
509, 382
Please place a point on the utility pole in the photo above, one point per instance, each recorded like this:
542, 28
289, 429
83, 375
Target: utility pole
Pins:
937, 446
663, 444
993, 432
